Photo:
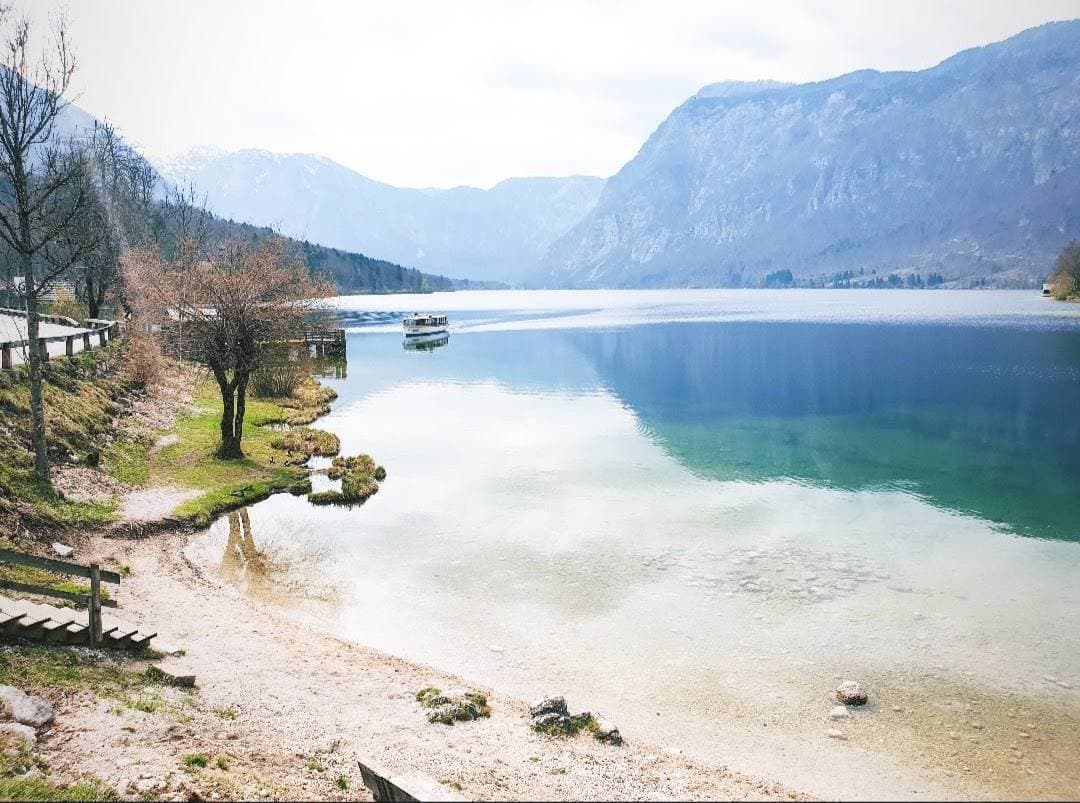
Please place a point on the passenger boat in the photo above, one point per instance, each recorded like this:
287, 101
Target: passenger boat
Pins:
426, 324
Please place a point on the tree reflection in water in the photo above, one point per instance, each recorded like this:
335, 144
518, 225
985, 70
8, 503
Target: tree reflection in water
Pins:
243, 564
270, 575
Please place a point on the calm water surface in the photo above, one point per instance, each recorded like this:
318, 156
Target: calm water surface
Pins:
653, 501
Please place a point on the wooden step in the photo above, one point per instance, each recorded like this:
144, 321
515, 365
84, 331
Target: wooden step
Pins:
140, 640
120, 637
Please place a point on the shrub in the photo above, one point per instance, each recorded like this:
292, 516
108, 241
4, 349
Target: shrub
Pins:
309, 442
68, 305
278, 381
362, 464
143, 360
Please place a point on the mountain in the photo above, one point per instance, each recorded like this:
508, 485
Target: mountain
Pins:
350, 271
500, 233
969, 169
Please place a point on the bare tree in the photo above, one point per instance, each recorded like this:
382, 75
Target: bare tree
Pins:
238, 301
40, 192
118, 213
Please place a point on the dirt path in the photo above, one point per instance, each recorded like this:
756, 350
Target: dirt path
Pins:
307, 706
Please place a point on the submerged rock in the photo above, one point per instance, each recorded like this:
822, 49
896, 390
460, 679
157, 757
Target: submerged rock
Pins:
851, 693
25, 708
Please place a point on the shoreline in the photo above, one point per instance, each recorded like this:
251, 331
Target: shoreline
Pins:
311, 688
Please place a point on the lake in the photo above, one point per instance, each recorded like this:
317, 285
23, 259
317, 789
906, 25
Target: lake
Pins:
696, 511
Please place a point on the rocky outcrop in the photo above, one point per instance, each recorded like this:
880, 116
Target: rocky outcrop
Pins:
966, 169
552, 717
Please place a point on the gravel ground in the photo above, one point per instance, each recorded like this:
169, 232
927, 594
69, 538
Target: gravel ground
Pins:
303, 700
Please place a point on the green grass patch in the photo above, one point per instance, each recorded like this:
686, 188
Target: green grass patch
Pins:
341, 782
359, 476
39, 789
38, 669
80, 407
225, 713
191, 462
128, 460
195, 761
308, 442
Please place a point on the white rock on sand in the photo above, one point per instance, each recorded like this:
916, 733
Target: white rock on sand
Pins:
19, 731
25, 708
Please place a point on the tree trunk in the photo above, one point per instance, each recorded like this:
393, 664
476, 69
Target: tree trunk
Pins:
232, 412
241, 380
37, 395
93, 305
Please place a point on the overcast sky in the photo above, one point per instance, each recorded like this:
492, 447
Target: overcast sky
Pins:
445, 93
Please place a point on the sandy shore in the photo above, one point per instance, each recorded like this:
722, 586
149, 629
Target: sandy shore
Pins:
298, 698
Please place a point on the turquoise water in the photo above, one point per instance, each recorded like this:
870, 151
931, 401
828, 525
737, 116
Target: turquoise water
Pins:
981, 420
651, 501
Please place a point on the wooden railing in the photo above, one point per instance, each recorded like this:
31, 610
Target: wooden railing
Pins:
93, 572
103, 330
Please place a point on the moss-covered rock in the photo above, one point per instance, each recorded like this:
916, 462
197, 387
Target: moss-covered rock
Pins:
453, 706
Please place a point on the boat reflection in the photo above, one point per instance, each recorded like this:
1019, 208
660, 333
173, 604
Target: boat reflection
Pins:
425, 342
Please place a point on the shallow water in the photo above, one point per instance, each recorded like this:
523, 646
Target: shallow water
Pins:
654, 502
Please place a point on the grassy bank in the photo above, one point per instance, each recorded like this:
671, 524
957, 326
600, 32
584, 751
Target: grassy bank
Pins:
189, 461
80, 407
85, 399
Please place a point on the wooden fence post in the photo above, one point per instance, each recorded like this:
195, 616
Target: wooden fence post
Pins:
101, 337
69, 346
43, 348
95, 605
86, 341
7, 357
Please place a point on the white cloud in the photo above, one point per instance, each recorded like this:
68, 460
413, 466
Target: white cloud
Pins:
437, 94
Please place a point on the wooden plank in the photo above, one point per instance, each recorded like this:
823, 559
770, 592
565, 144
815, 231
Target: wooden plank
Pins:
95, 604
61, 566
45, 591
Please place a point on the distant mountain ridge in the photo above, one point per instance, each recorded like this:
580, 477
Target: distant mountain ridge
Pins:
970, 168
500, 233
351, 272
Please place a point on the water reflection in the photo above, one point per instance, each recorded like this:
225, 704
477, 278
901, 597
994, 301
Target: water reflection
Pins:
971, 419
974, 420
425, 342
278, 573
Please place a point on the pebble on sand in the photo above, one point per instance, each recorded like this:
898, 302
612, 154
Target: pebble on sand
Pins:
833, 733
851, 693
